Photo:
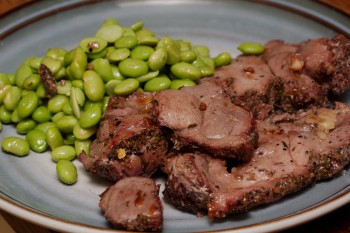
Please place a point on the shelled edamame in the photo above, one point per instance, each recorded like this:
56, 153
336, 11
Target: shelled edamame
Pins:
116, 60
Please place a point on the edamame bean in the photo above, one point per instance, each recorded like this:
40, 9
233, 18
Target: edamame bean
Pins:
14, 116
37, 140
63, 152
94, 86
45, 126
157, 84
78, 83
102, 54
133, 67
78, 64
222, 59
110, 33
40, 91
103, 68
118, 55
4, 80
116, 73
12, 98
66, 171
128, 42
142, 52
201, 50
5, 115
16, 146
56, 53
90, 117
137, 26
57, 116
22, 73
34, 62
93, 45
89, 104
126, 87
3, 92
27, 105
148, 76
55, 104
31, 82
173, 54
66, 123
68, 57
67, 109
109, 87
41, 114
52, 64
251, 48
206, 71
178, 83
110, 21
148, 40
69, 140
158, 59
82, 145
188, 56
144, 32
185, 70
74, 100
12, 78
23, 127
105, 103
63, 87
53, 137
83, 134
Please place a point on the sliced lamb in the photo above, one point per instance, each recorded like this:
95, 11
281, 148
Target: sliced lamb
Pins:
310, 71
250, 84
128, 143
133, 204
203, 118
298, 90
294, 151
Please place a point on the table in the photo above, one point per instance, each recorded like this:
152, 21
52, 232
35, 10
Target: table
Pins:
335, 222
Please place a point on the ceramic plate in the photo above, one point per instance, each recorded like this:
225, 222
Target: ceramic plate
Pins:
29, 187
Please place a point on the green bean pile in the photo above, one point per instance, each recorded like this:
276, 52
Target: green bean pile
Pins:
116, 61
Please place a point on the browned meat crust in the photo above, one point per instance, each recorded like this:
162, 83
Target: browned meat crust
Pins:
128, 143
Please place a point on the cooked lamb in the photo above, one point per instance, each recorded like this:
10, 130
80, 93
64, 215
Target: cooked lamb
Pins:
310, 71
294, 151
272, 115
203, 118
128, 143
250, 84
133, 204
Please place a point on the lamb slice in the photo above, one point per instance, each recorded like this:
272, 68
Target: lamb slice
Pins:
189, 184
133, 204
249, 83
298, 90
327, 60
294, 151
292, 155
203, 118
128, 142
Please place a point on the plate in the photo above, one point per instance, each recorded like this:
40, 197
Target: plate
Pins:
29, 187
